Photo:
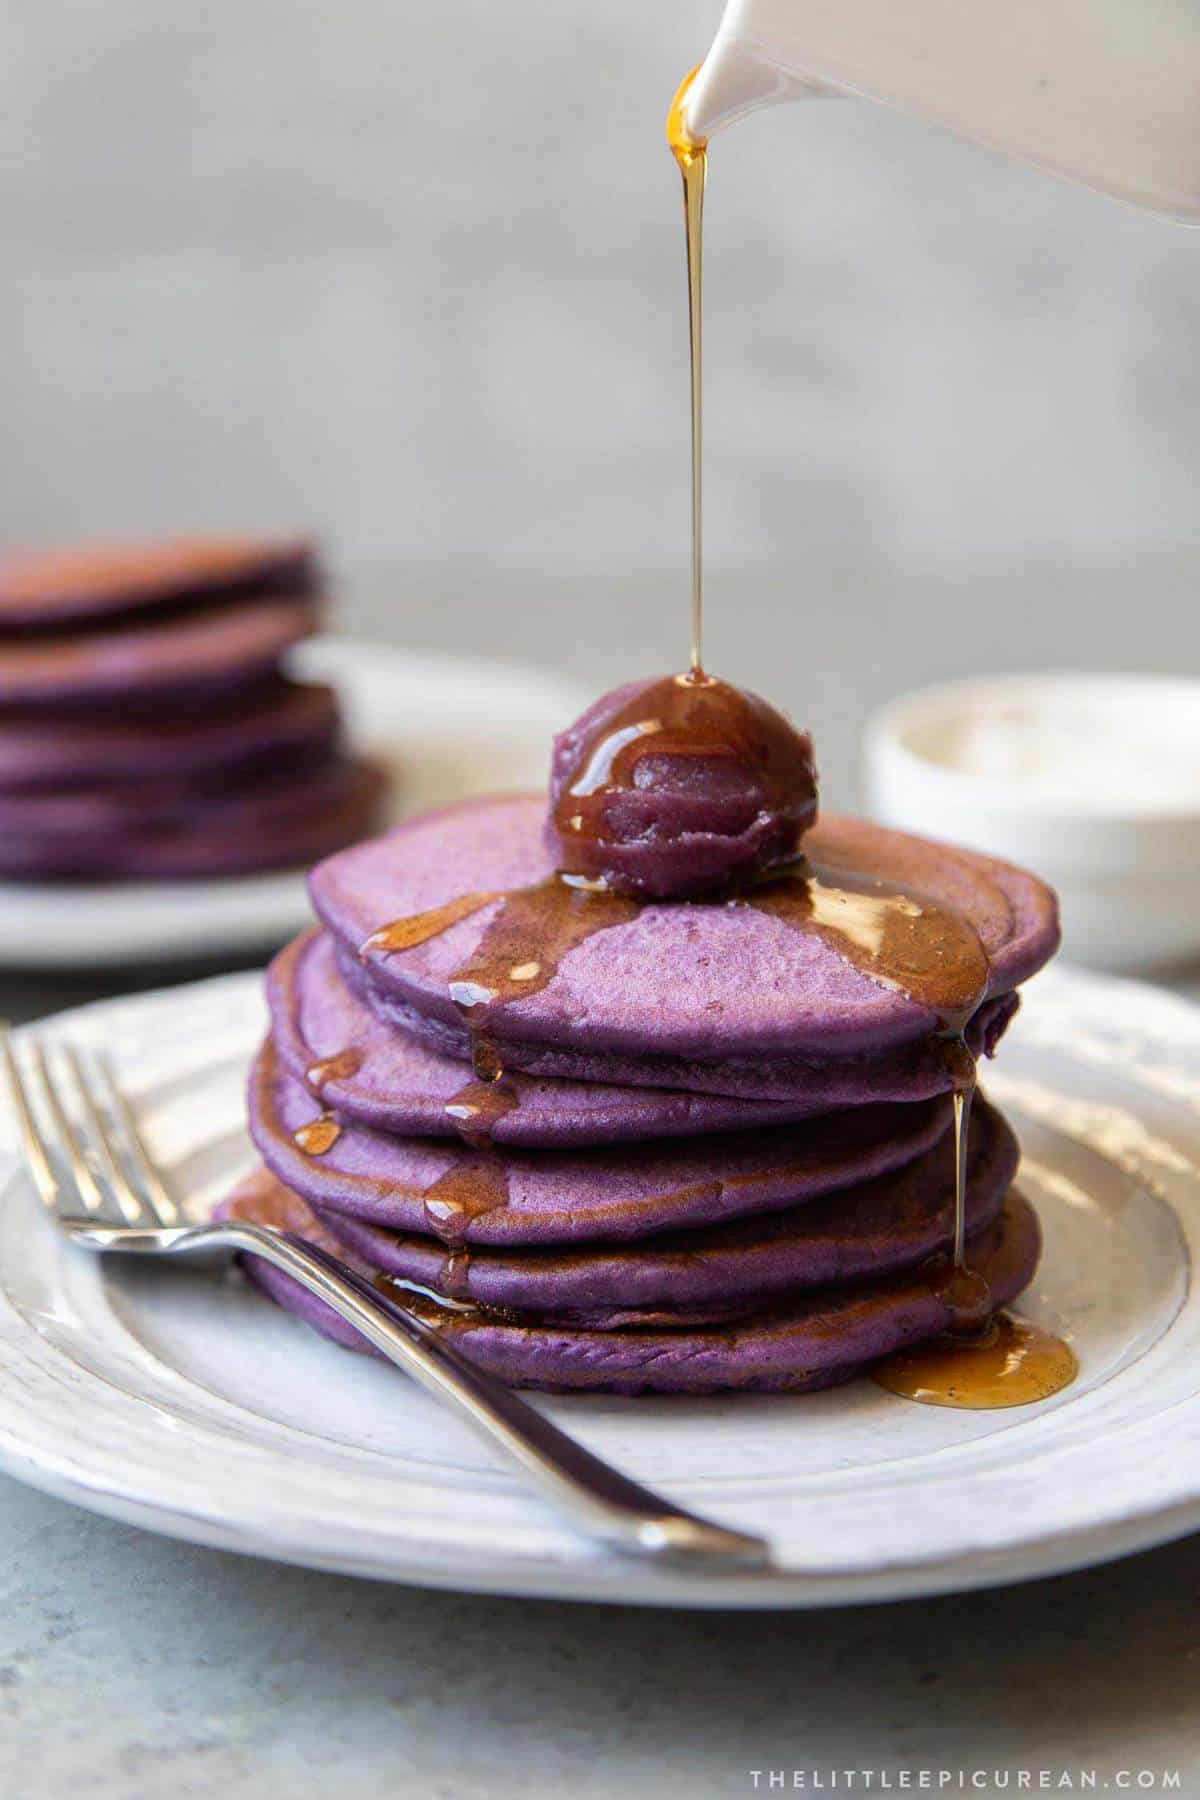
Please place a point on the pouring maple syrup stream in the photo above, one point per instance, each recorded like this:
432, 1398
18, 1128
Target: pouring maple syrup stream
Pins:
691, 154
986, 1360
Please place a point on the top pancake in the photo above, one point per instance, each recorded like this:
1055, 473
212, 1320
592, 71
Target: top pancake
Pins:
44, 588
697, 980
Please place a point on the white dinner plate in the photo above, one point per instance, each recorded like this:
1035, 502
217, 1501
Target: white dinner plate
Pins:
444, 726
190, 1405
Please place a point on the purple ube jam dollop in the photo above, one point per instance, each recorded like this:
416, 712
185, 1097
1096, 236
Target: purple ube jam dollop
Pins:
673, 788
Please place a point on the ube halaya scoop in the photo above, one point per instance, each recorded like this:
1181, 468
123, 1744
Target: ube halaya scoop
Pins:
676, 787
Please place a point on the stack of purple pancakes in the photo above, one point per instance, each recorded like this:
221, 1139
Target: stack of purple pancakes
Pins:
147, 730
612, 1142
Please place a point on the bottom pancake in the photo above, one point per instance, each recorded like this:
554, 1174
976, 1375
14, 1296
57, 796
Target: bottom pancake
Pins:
826, 1336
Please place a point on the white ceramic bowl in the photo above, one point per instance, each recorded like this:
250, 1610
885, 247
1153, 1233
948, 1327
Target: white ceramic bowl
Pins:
1093, 781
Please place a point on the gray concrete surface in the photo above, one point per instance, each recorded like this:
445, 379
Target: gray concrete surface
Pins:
134, 1668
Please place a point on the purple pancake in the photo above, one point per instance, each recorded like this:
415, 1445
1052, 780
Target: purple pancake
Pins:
368, 1071
871, 1228
42, 588
802, 1086
287, 788
825, 1337
263, 823
679, 989
188, 655
513, 1197
59, 751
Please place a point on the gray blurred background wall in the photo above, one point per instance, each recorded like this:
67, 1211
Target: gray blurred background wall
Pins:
413, 277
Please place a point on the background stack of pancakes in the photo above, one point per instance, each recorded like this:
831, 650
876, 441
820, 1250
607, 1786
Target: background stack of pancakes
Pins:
146, 729
718, 1156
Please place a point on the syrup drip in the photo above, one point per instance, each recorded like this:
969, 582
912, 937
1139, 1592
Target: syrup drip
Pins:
965, 1294
334, 1068
452, 1281
406, 934
477, 1182
318, 1136
1009, 1363
903, 942
435, 1309
425, 1304
474, 1184
963, 1098
517, 955
523, 946
691, 154
454, 1275
508, 962
478, 1108
487, 1064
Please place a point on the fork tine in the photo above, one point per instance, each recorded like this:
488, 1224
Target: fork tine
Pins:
32, 1142
133, 1208
140, 1159
86, 1185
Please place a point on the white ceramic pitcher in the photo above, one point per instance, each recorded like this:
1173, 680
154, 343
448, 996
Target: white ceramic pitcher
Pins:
1106, 92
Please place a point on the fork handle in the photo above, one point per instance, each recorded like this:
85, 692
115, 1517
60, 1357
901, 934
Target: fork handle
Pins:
604, 1503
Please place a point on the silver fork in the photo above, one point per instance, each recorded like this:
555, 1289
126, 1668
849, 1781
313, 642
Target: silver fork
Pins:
92, 1170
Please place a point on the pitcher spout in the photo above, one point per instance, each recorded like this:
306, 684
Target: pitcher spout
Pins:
1104, 92
738, 76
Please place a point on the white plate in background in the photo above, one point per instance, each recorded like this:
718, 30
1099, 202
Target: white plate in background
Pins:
447, 727
192, 1406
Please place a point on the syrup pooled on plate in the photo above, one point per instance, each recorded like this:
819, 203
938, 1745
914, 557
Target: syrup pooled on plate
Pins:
1010, 1362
